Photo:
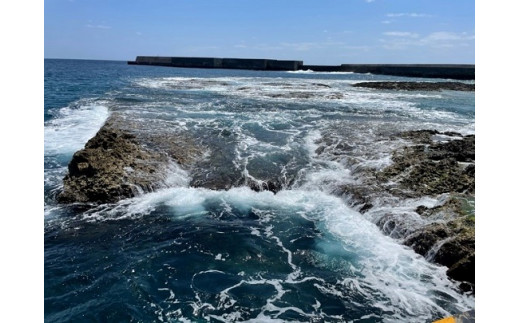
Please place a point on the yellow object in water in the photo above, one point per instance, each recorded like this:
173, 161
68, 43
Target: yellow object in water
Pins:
466, 317
450, 319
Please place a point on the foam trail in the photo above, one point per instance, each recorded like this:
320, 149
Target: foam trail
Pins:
389, 274
73, 127
315, 72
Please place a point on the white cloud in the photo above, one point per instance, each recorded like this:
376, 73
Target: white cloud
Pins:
357, 48
408, 14
287, 47
440, 39
302, 46
98, 26
386, 21
369, 1
401, 34
444, 35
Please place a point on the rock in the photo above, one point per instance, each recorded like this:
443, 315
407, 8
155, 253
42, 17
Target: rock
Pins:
464, 270
112, 166
419, 136
455, 250
357, 196
424, 239
447, 247
396, 226
433, 168
322, 85
451, 242
431, 178
461, 150
270, 185
417, 86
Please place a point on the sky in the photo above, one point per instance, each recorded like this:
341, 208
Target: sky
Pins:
317, 32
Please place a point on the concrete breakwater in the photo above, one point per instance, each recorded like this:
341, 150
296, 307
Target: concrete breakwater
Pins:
451, 71
226, 63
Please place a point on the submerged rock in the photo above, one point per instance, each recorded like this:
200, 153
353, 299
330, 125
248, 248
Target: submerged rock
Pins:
417, 86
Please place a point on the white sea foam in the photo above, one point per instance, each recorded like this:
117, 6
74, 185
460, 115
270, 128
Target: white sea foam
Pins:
322, 92
389, 274
317, 72
73, 127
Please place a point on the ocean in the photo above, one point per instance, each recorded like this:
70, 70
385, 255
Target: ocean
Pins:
221, 251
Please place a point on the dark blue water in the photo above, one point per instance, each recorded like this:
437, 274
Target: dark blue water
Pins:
195, 254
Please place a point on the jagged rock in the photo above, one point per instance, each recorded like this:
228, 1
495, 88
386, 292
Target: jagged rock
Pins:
124, 159
272, 186
418, 86
424, 239
464, 269
428, 168
450, 243
419, 136
433, 168
396, 226
112, 166
461, 150
456, 249
358, 196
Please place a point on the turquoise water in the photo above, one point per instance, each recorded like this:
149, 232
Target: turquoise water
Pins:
186, 253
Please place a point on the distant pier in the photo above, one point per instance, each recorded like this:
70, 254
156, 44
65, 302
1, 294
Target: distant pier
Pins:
450, 71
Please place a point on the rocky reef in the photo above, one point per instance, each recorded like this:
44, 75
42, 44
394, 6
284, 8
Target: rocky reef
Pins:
417, 86
445, 168
430, 168
118, 163
450, 239
127, 158
124, 160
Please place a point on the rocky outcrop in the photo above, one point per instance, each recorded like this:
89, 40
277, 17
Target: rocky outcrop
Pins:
119, 162
430, 168
450, 240
417, 86
112, 166
434, 168
440, 165
127, 158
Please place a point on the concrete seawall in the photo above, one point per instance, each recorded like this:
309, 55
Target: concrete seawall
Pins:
450, 71
226, 63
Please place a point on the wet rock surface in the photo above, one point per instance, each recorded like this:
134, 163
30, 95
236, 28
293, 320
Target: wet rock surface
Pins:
433, 164
117, 163
417, 86
126, 158
433, 168
450, 241
430, 168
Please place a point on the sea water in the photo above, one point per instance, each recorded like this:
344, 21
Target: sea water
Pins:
194, 254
